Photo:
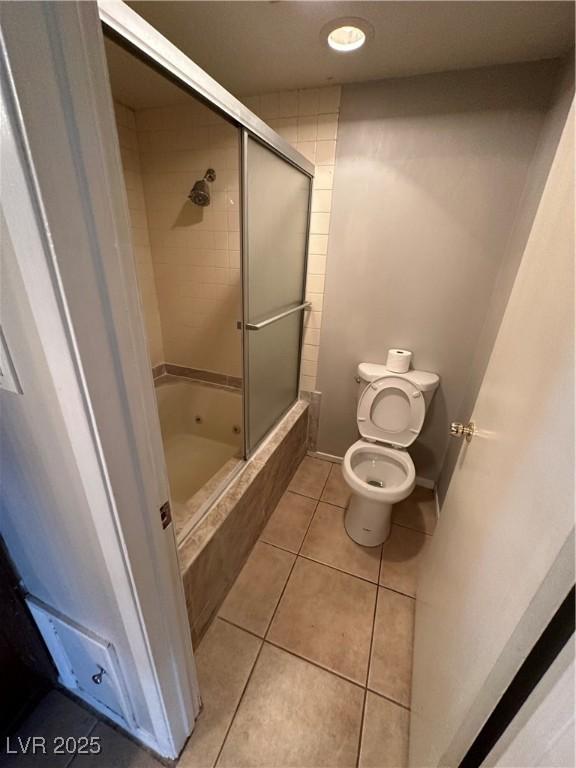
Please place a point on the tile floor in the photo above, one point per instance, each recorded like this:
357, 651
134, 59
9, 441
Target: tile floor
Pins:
309, 661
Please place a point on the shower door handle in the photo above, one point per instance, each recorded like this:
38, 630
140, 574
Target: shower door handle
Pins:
257, 326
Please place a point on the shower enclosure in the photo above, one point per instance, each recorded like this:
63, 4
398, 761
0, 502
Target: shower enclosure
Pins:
220, 209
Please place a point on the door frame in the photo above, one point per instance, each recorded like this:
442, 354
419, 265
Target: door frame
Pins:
68, 217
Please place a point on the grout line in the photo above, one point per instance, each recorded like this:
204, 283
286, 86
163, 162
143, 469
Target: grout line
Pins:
411, 528
335, 568
239, 626
360, 737
396, 591
237, 707
315, 664
339, 570
299, 493
388, 698
277, 546
74, 755
262, 639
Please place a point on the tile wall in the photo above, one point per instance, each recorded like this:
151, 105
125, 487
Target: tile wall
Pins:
308, 119
129, 151
187, 257
195, 250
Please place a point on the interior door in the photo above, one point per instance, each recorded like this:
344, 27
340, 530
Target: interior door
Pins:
277, 203
501, 559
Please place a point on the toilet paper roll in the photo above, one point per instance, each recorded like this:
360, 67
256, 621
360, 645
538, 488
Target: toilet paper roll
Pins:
398, 360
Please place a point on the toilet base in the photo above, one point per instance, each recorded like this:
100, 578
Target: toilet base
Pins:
368, 522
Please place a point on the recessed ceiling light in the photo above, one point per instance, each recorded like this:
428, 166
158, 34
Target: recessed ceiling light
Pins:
346, 38
346, 34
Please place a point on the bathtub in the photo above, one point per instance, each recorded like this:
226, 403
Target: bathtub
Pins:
202, 434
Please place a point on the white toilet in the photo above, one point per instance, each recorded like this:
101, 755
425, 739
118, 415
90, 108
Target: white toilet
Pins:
378, 468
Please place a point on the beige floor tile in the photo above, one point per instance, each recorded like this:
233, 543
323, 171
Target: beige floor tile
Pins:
224, 661
391, 660
289, 521
401, 556
310, 477
294, 715
384, 734
328, 542
255, 594
336, 491
326, 616
418, 511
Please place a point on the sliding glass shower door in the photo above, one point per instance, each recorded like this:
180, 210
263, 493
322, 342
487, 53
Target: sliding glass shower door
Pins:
276, 217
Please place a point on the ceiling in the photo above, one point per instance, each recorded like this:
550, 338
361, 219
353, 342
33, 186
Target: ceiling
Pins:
255, 47
136, 85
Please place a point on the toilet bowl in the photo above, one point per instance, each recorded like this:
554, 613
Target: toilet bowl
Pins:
377, 468
379, 476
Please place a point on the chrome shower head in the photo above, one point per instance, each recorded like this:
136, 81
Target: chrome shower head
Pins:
200, 192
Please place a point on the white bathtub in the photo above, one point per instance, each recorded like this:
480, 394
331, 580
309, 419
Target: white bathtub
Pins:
201, 432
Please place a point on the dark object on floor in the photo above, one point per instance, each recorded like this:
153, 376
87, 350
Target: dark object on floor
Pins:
26, 669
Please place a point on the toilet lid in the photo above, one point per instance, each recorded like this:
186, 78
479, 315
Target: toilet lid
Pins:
391, 410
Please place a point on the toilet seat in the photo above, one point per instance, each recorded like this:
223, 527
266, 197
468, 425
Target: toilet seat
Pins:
391, 410
387, 461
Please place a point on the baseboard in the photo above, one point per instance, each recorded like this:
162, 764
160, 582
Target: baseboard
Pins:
423, 482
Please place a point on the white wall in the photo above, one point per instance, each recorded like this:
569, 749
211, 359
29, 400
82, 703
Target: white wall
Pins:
429, 176
554, 121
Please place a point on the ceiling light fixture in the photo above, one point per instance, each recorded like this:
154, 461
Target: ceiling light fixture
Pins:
346, 39
346, 35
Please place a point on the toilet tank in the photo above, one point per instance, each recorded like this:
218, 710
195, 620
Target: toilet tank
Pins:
426, 382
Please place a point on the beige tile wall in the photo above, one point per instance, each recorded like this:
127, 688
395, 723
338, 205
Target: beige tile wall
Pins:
195, 250
308, 119
129, 150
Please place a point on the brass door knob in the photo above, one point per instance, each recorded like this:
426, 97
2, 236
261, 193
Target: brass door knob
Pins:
457, 429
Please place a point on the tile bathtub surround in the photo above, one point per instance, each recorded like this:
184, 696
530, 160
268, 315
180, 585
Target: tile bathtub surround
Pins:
195, 250
131, 164
308, 119
213, 555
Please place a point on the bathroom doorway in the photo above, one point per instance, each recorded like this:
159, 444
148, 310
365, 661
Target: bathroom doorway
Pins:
219, 215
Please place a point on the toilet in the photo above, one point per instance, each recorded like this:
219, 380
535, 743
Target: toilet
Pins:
377, 468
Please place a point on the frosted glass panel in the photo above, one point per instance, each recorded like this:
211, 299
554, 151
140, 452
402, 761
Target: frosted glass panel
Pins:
273, 354
277, 201
277, 221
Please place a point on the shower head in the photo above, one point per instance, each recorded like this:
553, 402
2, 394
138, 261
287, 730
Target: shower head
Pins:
200, 192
